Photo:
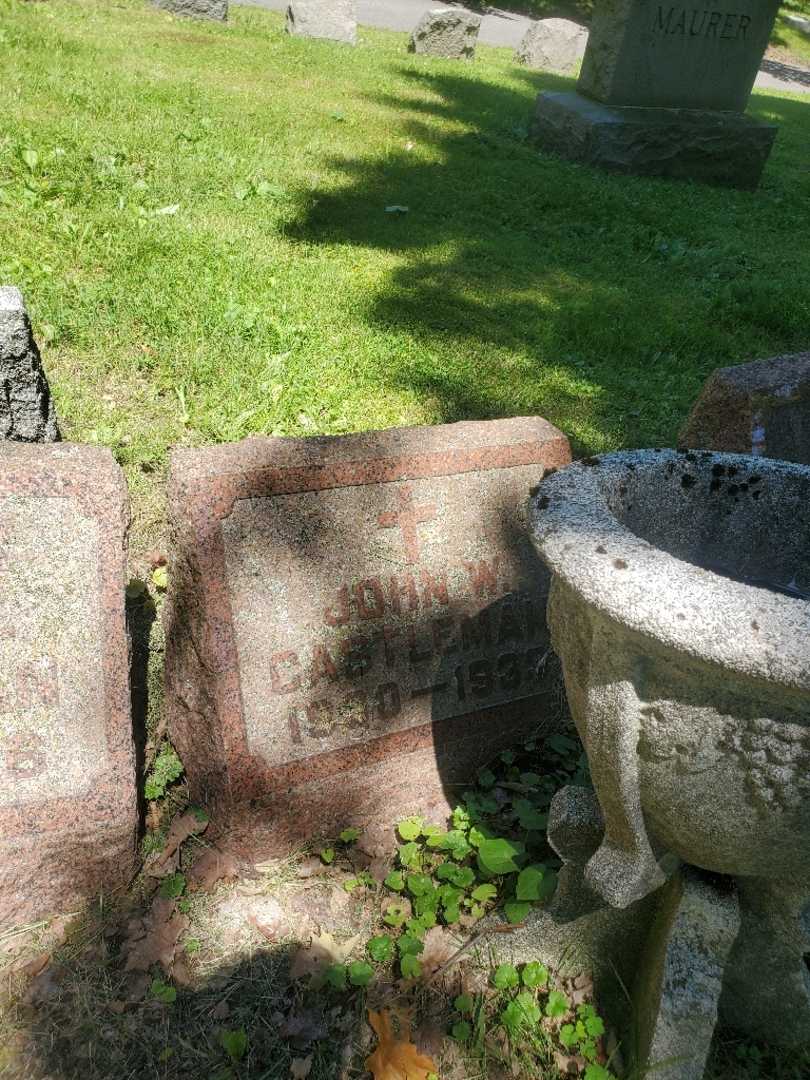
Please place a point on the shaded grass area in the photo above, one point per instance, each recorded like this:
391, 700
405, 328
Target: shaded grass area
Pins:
197, 216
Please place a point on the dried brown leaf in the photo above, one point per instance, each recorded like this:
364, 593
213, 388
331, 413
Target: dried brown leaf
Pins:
395, 1059
312, 867
31, 968
321, 953
158, 865
378, 841
181, 973
212, 866
43, 987
137, 987
184, 826
439, 946
428, 1037
300, 1067
153, 939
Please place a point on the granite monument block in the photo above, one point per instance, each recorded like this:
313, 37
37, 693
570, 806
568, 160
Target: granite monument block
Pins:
662, 92
355, 622
760, 408
68, 805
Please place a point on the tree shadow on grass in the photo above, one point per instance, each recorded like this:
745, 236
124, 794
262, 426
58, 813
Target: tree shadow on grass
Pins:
530, 284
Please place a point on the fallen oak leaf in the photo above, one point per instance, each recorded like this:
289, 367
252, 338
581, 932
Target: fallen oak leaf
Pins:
191, 823
395, 1059
161, 864
212, 866
321, 953
439, 945
29, 969
153, 939
300, 1067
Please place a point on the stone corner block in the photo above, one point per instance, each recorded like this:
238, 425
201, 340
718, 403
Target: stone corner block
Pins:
722, 149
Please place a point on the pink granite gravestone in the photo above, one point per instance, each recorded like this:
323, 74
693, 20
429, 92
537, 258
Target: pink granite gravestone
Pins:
68, 808
354, 622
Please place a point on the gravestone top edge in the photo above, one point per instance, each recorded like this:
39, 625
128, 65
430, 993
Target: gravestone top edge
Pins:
320, 451
767, 375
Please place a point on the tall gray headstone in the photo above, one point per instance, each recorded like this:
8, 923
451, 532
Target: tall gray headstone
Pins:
663, 90
27, 413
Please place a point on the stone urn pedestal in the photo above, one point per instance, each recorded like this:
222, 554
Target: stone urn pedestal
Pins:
680, 609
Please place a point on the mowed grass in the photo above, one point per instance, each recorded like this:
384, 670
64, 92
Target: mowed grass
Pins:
198, 216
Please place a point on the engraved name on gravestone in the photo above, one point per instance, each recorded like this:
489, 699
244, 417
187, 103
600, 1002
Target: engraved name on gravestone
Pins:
338, 602
68, 806
358, 650
646, 53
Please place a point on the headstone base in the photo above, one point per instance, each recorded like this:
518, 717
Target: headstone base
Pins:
722, 148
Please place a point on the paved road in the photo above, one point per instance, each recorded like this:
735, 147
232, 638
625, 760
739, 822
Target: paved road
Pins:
500, 28
506, 28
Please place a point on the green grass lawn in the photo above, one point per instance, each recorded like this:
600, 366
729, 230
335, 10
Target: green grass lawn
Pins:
788, 40
197, 216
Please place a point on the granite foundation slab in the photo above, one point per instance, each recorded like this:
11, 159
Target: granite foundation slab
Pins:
724, 149
760, 408
68, 802
355, 623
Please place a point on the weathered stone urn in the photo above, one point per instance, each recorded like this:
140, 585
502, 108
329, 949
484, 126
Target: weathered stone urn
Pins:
680, 609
